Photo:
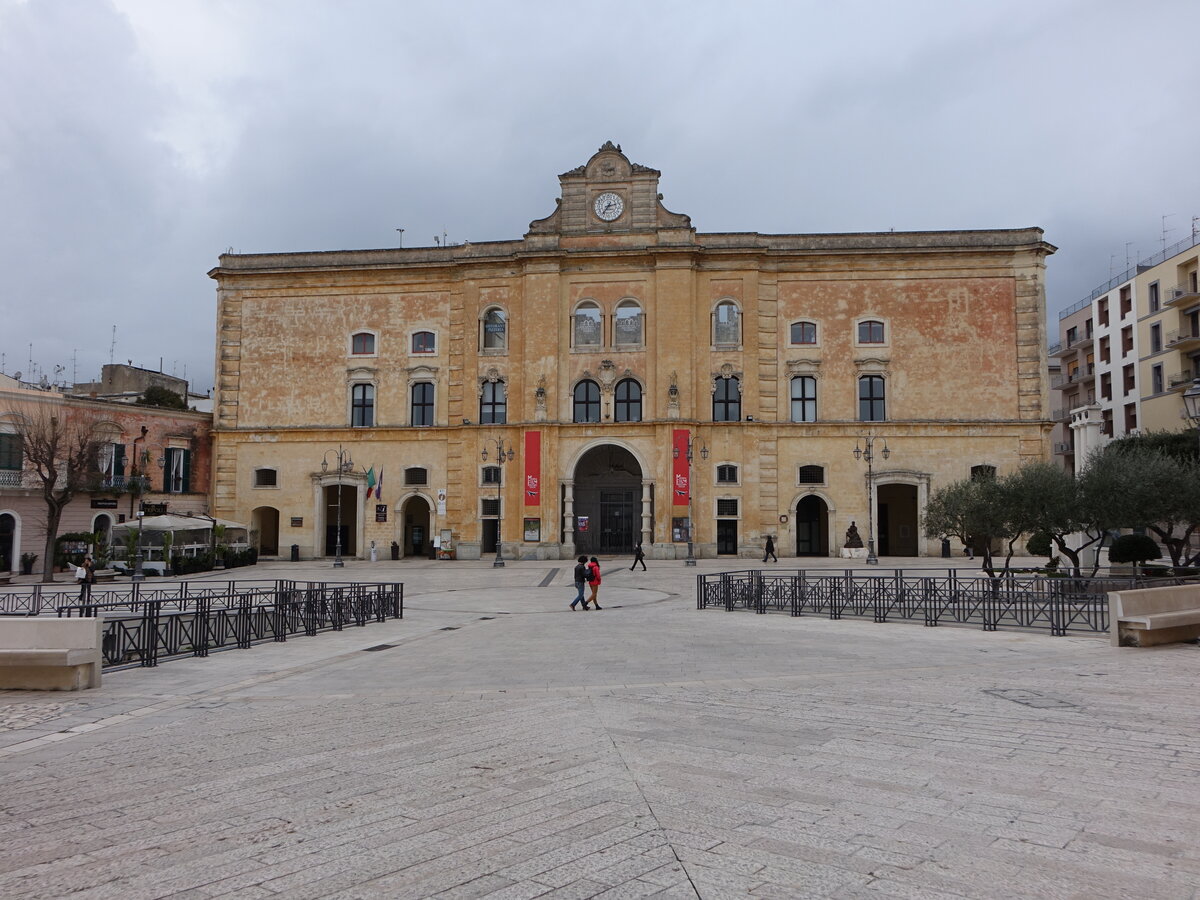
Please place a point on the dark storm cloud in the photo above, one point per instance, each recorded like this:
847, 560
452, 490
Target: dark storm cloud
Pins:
139, 140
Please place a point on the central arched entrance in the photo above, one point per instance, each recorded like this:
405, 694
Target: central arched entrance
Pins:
417, 537
607, 490
265, 521
812, 527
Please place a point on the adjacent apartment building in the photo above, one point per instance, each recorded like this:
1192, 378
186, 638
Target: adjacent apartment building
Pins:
1127, 353
615, 376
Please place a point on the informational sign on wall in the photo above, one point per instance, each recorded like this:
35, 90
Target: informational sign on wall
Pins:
297, 521
441, 501
581, 523
533, 529
380, 512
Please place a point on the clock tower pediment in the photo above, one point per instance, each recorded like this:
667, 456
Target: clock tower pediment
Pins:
609, 195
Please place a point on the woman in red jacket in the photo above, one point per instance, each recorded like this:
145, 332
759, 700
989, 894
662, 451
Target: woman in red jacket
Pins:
593, 568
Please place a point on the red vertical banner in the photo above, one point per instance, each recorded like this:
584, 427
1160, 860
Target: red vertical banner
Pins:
533, 468
681, 487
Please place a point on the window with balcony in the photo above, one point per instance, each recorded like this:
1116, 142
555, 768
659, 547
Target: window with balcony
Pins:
1106, 422
11, 459
1072, 335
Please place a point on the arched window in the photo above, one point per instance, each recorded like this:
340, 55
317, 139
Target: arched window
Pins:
362, 405
727, 400
627, 327
811, 475
587, 325
587, 401
424, 342
495, 329
491, 475
362, 344
871, 405
628, 397
266, 478
804, 398
422, 403
493, 404
871, 331
727, 329
416, 475
804, 333
727, 474
983, 473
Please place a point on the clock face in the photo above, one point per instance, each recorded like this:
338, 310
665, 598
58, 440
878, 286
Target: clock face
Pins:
609, 206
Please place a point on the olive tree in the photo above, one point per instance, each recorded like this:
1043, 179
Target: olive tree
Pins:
968, 510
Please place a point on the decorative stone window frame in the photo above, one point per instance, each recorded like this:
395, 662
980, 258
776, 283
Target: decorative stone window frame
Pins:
803, 367
424, 354
485, 350
887, 331
586, 375
873, 365
737, 474
491, 376
824, 482
627, 375
725, 345
816, 343
264, 487
488, 467
362, 375
590, 303
623, 304
727, 497
727, 371
408, 479
416, 375
374, 333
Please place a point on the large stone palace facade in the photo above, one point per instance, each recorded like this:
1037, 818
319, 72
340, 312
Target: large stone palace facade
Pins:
588, 357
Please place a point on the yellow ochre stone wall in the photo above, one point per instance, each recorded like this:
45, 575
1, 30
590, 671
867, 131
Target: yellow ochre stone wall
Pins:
963, 361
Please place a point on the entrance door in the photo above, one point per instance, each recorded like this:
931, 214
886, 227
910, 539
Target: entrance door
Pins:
348, 516
616, 521
811, 527
331, 535
727, 536
491, 534
8, 530
897, 520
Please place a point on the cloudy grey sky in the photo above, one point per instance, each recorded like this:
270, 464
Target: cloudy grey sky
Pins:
139, 139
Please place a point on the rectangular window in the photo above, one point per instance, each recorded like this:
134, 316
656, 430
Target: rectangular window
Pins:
1155, 338
727, 474
424, 342
1130, 417
804, 399
490, 506
1106, 422
871, 405
1102, 312
362, 406
491, 475
589, 331
416, 475
1127, 378
804, 333
422, 404
10, 452
177, 471
1072, 336
727, 507
1126, 301
266, 478
811, 475
1126, 340
1105, 355
1156, 379
1153, 297
1106, 386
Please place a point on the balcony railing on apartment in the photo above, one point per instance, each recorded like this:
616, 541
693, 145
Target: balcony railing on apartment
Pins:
1180, 379
1180, 295
1148, 263
10, 478
1083, 373
1183, 339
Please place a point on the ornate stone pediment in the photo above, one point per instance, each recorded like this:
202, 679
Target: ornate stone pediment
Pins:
872, 364
361, 373
806, 365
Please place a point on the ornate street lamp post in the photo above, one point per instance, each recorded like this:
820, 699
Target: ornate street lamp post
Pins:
868, 453
344, 464
1191, 402
503, 455
691, 558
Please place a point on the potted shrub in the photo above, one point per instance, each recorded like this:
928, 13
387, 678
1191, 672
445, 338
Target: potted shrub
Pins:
1134, 548
168, 540
27, 561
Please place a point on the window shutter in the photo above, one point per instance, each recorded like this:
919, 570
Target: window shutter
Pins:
187, 470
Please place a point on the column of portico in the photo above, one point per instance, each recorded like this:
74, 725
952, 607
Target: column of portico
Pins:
569, 517
647, 517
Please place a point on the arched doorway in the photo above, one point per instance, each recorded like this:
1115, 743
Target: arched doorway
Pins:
416, 538
812, 527
8, 542
607, 494
349, 518
897, 520
102, 528
265, 520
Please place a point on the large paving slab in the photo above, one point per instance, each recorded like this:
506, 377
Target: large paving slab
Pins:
504, 746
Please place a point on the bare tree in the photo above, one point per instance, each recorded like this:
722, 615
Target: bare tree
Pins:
59, 445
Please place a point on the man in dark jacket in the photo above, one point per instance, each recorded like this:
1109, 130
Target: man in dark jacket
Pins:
580, 582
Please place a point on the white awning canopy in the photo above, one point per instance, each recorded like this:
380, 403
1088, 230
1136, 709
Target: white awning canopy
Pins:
178, 523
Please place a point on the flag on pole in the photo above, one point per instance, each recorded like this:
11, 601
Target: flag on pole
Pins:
379, 487
370, 482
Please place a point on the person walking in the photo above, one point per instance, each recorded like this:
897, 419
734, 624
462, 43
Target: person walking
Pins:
581, 576
770, 551
593, 567
639, 556
86, 574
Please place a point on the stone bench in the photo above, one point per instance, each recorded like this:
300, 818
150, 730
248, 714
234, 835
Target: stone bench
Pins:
105, 576
44, 654
1150, 616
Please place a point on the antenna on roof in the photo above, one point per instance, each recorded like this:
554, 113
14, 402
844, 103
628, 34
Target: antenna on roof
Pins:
1165, 229
113, 346
401, 230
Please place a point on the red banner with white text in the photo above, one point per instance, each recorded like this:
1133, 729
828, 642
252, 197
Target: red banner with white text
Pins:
533, 468
680, 487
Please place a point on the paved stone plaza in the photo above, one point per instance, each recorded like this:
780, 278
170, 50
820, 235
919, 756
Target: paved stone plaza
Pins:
506, 747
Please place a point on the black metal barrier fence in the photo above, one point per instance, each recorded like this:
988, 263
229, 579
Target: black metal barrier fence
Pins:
1060, 605
143, 627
